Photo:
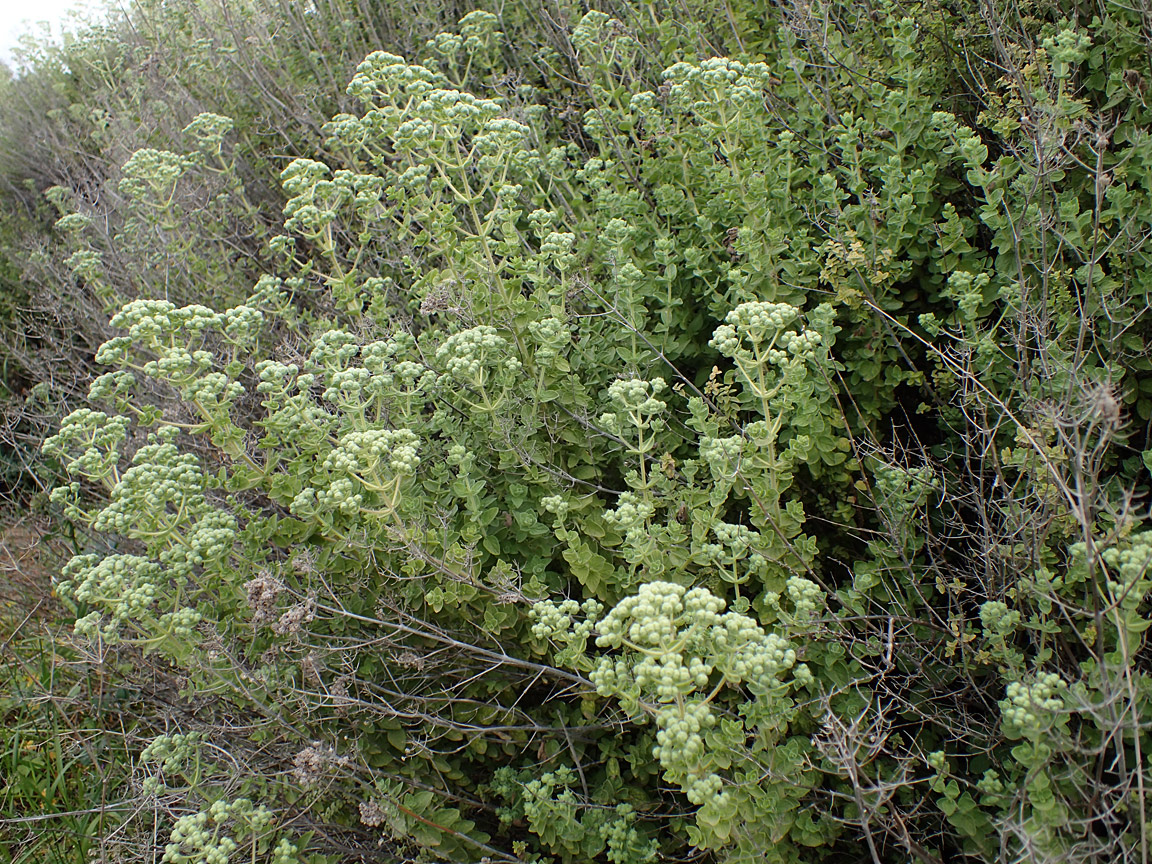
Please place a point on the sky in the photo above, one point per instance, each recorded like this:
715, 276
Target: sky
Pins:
20, 16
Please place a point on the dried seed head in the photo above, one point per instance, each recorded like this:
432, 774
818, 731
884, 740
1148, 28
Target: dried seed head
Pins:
372, 814
1104, 404
311, 764
310, 668
262, 592
409, 660
298, 615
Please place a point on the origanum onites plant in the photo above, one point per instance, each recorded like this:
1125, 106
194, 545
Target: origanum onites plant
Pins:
683, 482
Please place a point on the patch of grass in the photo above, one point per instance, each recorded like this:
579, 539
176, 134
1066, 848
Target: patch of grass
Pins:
63, 761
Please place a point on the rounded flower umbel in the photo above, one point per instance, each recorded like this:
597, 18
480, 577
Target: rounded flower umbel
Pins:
675, 650
638, 416
1128, 568
767, 353
90, 442
213, 835
474, 358
1030, 707
364, 473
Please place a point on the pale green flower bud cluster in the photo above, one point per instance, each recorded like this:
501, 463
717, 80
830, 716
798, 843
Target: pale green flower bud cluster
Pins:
600, 41
378, 357
146, 319
88, 627
903, 489
539, 796
642, 102
737, 538
802, 345
452, 112
412, 376
674, 640
414, 180
480, 30
340, 495
285, 852
276, 379
631, 515
722, 455
209, 539
637, 401
681, 636
114, 352
1029, 707
172, 752
124, 587
556, 505
1065, 50
153, 173
991, 784
365, 452
334, 350
208, 131
90, 441
346, 385
268, 293
388, 79
87, 263
558, 620
302, 175
446, 45
113, 386
1128, 571
415, 134
595, 174
209, 837
466, 354
630, 278
590, 32
315, 202
181, 624
616, 236
725, 340
698, 88
755, 657
242, 324
655, 614
160, 476
549, 799
998, 620
624, 842
213, 391
761, 325
808, 598
177, 364
557, 247
725, 99
680, 744
542, 222
160, 501
504, 143
637, 396
73, 222
967, 290
168, 332
501, 135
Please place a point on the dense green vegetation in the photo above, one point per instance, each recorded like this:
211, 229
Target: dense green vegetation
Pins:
666, 432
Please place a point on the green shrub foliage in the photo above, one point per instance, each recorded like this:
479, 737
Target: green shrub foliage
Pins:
735, 457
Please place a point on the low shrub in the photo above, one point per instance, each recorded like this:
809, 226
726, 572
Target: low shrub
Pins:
739, 463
